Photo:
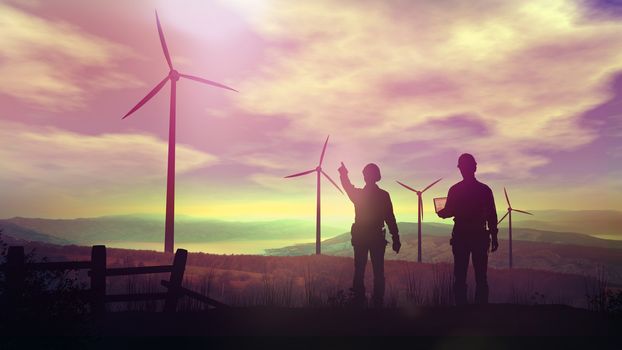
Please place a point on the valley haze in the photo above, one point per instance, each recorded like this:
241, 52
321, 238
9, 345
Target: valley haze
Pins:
555, 240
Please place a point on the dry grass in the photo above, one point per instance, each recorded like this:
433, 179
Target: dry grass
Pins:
324, 281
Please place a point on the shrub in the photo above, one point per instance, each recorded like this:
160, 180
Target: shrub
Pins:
49, 300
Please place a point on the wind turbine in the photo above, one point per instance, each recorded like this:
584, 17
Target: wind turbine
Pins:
509, 213
318, 170
419, 212
173, 75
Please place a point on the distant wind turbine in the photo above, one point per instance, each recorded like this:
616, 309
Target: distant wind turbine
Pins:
318, 170
173, 76
419, 212
509, 213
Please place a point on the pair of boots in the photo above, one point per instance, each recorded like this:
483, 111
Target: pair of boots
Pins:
481, 295
357, 299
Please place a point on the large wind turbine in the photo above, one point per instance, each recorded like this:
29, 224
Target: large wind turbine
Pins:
419, 212
318, 170
173, 76
509, 213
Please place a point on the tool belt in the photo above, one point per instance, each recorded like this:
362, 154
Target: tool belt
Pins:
470, 237
365, 235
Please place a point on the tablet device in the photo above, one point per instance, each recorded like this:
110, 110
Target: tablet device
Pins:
439, 203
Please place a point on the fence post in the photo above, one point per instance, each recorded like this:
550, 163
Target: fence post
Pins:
15, 276
98, 279
177, 275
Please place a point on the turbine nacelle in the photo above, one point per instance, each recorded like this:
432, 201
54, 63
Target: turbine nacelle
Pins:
318, 169
510, 209
423, 190
174, 75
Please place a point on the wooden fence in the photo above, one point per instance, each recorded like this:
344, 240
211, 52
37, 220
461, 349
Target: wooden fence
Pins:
16, 268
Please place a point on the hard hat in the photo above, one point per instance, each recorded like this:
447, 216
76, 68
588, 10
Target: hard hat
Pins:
467, 160
372, 172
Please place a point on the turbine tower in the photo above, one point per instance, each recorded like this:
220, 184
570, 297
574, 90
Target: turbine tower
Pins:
318, 170
173, 75
509, 214
419, 213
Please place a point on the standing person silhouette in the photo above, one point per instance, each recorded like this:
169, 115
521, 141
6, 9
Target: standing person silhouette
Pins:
372, 207
472, 205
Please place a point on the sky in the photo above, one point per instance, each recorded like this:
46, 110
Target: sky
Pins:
533, 89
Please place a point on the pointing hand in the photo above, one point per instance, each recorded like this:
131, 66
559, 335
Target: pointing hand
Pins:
342, 169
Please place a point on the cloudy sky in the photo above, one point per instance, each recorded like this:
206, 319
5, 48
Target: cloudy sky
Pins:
532, 88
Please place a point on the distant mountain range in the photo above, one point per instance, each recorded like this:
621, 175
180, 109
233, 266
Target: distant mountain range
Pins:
26, 234
550, 227
519, 233
440, 233
89, 231
591, 222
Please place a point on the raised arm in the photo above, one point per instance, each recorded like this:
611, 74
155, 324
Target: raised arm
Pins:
346, 184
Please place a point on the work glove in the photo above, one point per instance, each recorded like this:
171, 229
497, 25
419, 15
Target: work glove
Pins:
495, 244
396, 245
342, 169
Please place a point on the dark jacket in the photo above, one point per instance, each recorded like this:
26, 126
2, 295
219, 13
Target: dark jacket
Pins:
472, 205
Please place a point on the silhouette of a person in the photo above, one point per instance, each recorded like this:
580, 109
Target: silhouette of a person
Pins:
472, 205
372, 207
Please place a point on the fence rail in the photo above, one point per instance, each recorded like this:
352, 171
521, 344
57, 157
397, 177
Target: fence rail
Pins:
59, 265
16, 269
124, 271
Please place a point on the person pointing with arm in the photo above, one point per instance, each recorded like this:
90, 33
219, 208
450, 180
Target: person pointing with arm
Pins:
373, 208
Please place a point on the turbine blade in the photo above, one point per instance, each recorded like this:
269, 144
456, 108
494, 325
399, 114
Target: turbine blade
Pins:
408, 187
300, 174
507, 198
432, 184
331, 181
522, 211
324, 150
421, 206
208, 82
147, 98
163, 42
506, 214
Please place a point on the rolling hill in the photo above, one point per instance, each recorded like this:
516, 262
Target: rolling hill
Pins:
26, 234
520, 233
551, 251
592, 222
566, 252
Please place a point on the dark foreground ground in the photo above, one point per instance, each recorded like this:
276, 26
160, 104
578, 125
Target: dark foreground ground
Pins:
492, 320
